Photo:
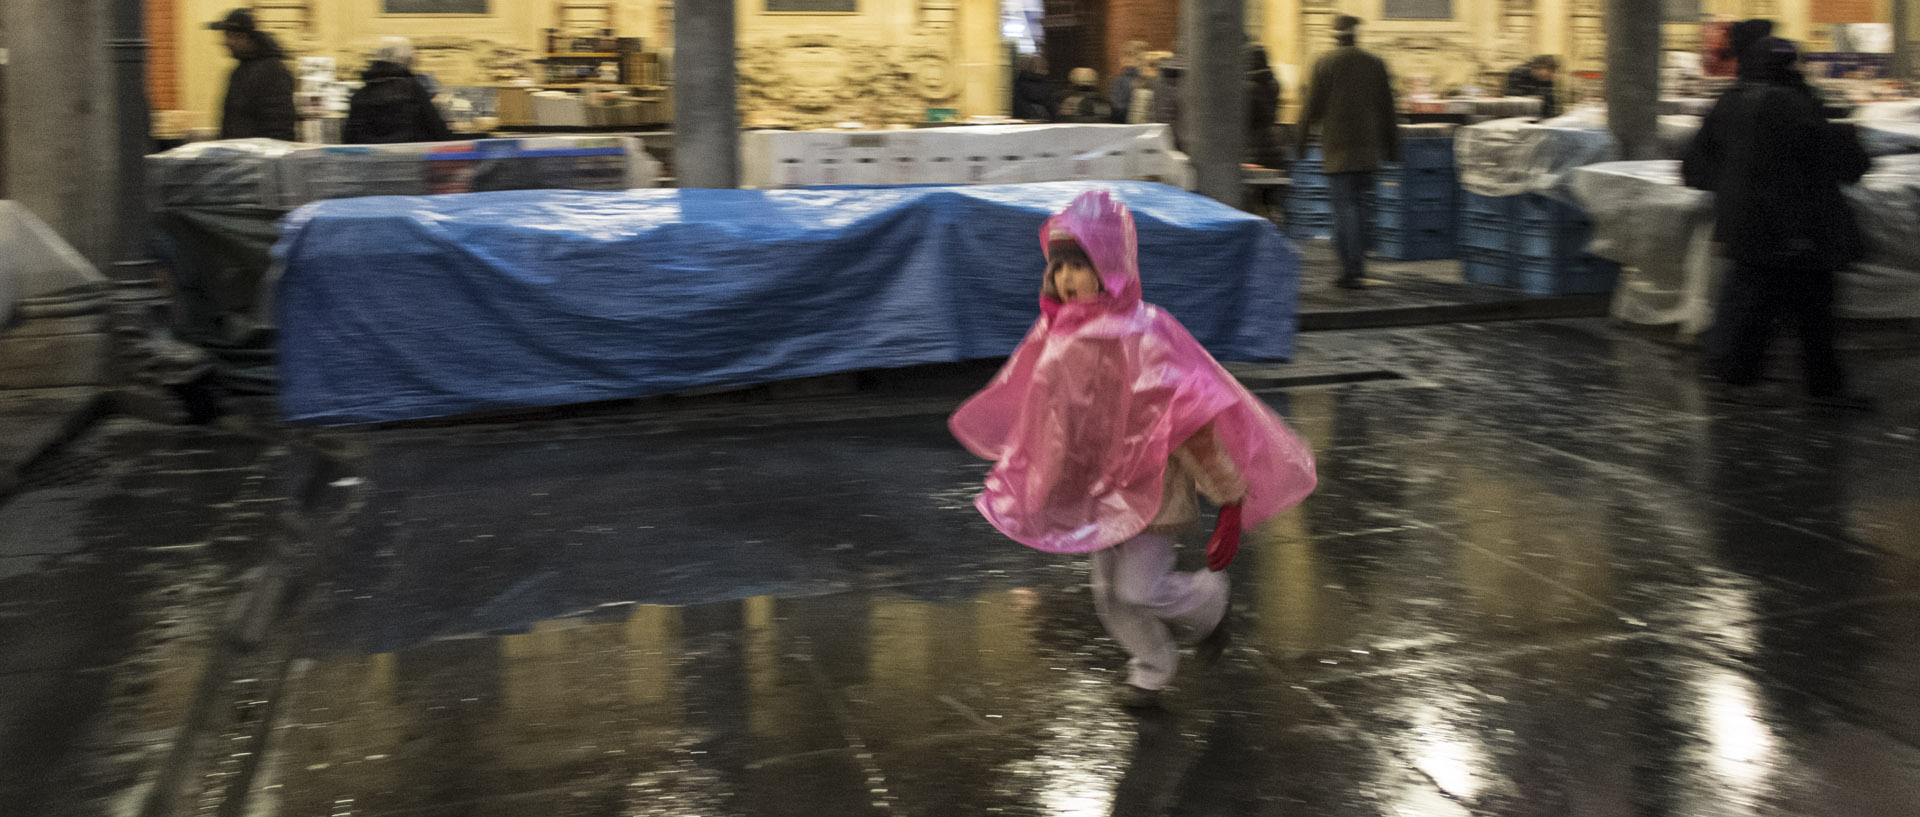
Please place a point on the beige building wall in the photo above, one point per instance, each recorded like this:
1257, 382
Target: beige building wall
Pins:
969, 30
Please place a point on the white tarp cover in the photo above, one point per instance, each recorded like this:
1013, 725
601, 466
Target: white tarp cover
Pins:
1662, 231
1509, 157
38, 262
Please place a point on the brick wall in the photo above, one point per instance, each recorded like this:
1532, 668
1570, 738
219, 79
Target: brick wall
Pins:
1157, 22
163, 58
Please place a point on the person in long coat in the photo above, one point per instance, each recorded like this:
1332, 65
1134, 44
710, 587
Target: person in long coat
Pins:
1350, 101
1776, 167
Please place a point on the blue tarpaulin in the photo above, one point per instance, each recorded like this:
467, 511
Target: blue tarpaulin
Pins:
397, 308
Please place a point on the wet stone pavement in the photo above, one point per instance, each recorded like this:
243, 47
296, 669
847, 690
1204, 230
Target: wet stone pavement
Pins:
1544, 575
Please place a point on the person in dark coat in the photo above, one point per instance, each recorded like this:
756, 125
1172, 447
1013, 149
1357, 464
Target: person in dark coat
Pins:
1263, 109
259, 101
1033, 96
1535, 79
1350, 100
1775, 166
393, 106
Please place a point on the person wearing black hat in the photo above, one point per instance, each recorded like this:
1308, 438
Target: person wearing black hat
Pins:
1350, 99
1775, 166
259, 99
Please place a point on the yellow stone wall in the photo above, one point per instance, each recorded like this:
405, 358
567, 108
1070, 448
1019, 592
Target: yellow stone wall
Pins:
1485, 37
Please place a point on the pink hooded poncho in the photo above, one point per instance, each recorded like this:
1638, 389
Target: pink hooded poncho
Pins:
1082, 419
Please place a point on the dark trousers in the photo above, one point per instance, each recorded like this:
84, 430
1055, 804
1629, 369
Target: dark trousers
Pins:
1754, 301
1352, 196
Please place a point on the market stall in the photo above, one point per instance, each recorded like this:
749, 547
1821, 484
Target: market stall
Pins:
399, 308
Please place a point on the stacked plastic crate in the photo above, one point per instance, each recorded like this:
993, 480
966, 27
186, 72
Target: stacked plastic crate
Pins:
1531, 243
1309, 207
1414, 214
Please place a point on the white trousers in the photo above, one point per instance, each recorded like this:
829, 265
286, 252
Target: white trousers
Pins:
1150, 608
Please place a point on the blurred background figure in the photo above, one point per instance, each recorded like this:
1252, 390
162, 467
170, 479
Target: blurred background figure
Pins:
1166, 96
393, 106
1535, 79
1350, 102
1032, 89
259, 101
1084, 104
1263, 107
1140, 103
1133, 64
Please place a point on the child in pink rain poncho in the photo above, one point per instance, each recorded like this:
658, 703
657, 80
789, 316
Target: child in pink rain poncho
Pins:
1103, 425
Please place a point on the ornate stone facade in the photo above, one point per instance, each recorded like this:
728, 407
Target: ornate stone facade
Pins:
821, 78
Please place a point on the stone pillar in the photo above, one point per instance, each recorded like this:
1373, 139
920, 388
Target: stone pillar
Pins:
1633, 76
61, 122
706, 116
1214, 106
133, 130
1903, 67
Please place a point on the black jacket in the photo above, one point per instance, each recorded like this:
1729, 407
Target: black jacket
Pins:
393, 107
1521, 82
1775, 167
1033, 97
1263, 107
259, 95
1084, 105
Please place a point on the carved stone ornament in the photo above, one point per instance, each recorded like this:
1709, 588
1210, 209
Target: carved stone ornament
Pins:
1447, 61
821, 78
451, 60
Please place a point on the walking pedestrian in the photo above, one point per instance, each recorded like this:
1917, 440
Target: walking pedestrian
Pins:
1350, 100
1775, 166
259, 102
1104, 424
392, 106
1166, 97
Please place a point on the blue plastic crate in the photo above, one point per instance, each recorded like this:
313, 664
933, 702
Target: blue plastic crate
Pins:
1549, 241
1591, 276
1489, 268
1308, 226
1415, 245
1417, 175
1537, 209
1409, 218
1433, 193
1487, 233
1424, 153
1308, 205
1501, 206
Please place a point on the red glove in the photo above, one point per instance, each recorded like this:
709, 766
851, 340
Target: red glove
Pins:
1225, 543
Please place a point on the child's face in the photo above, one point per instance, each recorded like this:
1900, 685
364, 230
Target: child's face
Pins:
1075, 282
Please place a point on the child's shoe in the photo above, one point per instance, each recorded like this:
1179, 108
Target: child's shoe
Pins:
1211, 648
1137, 698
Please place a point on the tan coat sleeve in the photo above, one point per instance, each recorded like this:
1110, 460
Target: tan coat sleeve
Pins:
1213, 471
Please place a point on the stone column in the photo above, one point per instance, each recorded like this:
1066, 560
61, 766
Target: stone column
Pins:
1214, 104
62, 146
1902, 41
1633, 76
706, 115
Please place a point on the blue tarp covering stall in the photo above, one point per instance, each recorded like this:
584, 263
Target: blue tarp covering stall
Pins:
400, 308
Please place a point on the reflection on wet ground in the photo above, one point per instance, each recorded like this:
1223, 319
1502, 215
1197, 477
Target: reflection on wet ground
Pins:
1543, 577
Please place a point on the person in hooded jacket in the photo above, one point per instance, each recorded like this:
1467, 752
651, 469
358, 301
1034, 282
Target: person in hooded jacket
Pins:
1776, 167
1084, 104
1105, 424
259, 102
392, 106
1263, 109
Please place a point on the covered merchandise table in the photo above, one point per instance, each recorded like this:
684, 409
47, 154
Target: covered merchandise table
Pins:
1662, 231
398, 308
